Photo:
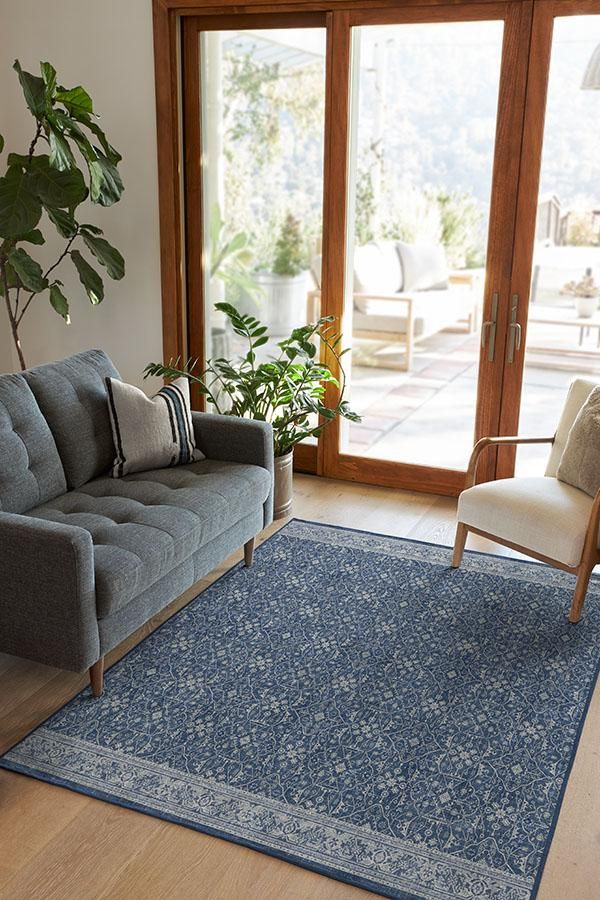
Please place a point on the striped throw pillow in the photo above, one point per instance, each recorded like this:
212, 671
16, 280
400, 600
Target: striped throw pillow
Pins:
151, 433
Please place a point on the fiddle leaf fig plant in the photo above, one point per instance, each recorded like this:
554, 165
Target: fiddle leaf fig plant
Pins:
69, 161
287, 390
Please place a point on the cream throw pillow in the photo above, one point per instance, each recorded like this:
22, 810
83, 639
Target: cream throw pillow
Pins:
580, 462
151, 433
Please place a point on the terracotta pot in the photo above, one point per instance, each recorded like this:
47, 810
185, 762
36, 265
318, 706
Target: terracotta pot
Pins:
283, 492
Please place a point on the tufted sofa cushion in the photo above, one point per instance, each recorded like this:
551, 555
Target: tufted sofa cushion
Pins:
72, 396
31, 470
147, 523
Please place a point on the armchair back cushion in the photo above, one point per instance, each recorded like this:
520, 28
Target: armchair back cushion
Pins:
72, 396
31, 470
580, 463
579, 391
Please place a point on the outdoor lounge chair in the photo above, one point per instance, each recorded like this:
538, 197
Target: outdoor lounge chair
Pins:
404, 293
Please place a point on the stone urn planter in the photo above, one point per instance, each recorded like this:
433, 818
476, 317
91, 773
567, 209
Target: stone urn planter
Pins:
283, 300
283, 490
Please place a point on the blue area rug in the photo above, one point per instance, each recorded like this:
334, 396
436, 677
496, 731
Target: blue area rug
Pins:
353, 705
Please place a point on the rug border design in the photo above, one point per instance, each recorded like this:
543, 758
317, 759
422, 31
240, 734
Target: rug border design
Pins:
313, 864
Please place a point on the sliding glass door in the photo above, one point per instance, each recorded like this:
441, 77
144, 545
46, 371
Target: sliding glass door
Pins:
434, 121
383, 166
254, 99
556, 275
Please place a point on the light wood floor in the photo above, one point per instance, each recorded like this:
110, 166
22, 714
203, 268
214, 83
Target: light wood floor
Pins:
58, 844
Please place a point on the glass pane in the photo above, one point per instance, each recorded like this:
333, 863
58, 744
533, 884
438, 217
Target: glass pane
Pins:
563, 332
262, 116
423, 122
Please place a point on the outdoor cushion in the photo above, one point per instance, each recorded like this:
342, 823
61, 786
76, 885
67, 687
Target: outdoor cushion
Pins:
72, 396
377, 268
31, 470
424, 266
543, 514
431, 312
143, 525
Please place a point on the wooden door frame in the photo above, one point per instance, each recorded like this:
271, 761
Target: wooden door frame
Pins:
545, 11
167, 18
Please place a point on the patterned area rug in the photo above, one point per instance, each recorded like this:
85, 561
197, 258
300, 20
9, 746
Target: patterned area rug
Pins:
353, 705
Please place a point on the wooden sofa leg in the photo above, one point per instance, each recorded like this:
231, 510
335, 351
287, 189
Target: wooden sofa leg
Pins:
97, 677
249, 552
459, 544
583, 579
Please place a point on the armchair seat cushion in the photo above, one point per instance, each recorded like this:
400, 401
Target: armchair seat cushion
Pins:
543, 514
147, 523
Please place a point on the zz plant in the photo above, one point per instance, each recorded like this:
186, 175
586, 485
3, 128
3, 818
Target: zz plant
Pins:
53, 182
287, 390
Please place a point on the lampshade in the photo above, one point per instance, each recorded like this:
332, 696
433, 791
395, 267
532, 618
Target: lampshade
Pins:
591, 78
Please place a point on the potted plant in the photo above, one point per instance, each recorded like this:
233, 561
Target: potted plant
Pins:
585, 293
285, 285
287, 390
54, 183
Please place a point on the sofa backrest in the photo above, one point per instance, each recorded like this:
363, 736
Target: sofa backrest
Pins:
31, 471
72, 396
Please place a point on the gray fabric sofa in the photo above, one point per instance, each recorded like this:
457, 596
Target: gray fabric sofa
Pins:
85, 559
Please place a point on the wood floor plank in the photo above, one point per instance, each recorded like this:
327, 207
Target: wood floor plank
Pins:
59, 845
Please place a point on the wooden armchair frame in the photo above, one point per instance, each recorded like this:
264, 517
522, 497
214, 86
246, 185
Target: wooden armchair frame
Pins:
408, 337
590, 555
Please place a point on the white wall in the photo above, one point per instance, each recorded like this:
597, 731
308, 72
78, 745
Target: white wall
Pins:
106, 45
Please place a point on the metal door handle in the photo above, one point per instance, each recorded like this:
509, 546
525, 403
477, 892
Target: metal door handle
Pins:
491, 325
514, 330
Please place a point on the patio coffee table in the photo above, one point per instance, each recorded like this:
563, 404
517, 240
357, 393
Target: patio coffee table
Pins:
565, 317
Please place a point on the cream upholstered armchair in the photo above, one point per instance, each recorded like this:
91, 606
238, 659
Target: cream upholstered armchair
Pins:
541, 517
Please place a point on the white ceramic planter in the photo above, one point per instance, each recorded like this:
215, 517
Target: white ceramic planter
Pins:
586, 306
283, 489
283, 305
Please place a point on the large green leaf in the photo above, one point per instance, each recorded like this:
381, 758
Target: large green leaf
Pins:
59, 302
113, 155
106, 186
106, 255
88, 277
11, 277
20, 208
63, 221
75, 100
33, 237
61, 157
58, 189
28, 270
49, 76
34, 90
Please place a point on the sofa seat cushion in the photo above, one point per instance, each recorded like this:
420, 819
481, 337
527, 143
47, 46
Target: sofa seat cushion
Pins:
147, 523
432, 312
542, 514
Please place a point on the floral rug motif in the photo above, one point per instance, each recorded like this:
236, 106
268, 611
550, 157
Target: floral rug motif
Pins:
353, 705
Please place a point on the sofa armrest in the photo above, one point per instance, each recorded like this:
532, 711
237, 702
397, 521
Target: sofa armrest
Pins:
47, 592
232, 439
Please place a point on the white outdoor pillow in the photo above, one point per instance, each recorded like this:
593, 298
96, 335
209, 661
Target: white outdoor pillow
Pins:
377, 268
151, 433
424, 266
